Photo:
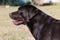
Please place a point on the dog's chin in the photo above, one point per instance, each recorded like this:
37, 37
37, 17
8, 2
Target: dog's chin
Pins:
18, 22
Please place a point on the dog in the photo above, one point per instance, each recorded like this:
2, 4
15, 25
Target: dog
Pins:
41, 25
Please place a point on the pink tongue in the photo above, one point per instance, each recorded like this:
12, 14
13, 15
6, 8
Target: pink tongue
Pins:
17, 22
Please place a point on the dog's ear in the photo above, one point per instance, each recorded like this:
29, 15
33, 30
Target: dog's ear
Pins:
33, 14
29, 16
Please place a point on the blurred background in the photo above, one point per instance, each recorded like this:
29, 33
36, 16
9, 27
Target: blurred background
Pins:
9, 31
24, 2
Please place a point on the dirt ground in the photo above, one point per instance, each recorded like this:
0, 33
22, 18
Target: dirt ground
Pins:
9, 31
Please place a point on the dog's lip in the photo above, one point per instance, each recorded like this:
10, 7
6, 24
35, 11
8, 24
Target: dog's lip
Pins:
17, 22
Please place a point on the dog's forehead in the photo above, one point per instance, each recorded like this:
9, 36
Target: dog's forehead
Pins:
22, 11
22, 7
14, 13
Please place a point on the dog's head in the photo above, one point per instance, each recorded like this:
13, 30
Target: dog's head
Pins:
23, 14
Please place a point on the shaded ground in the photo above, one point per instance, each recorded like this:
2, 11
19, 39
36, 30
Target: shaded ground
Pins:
9, 31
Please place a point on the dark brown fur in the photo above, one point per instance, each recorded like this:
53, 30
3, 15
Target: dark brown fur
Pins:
41, 25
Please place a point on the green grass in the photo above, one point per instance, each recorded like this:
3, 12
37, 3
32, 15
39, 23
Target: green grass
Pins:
9, 31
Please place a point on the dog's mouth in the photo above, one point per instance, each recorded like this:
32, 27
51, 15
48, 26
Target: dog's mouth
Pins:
18, 22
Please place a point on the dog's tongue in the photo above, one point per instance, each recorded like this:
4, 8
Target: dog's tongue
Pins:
17, 22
